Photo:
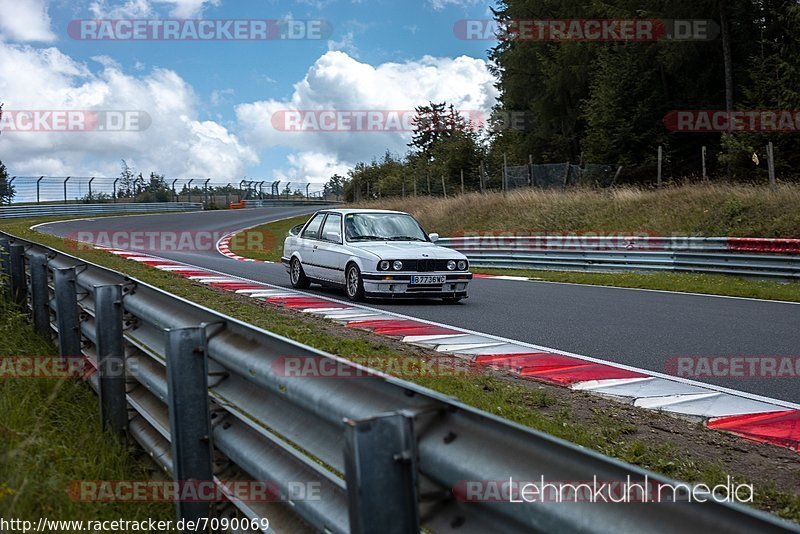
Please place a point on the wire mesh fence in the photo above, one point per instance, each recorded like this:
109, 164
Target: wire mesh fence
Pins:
94, 190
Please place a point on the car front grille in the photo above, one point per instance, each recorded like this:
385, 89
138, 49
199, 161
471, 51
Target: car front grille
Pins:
425, 266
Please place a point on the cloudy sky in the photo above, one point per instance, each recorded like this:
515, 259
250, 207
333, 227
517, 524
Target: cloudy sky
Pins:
214, 103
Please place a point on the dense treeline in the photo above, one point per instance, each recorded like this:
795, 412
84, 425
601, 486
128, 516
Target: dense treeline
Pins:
606, 102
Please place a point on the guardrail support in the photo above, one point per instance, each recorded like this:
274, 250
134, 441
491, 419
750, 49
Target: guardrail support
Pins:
111, 358
5, 266
381, 475
19, 287
189, 419
67, 315
40, 294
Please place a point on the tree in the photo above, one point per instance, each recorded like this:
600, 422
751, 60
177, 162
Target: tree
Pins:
126, 187
334, 187
6, 189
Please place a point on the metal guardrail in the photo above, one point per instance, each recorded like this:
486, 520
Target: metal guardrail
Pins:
288, 202
200, 392
774, 258
19, 212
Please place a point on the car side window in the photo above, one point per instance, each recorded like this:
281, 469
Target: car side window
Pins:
332, 224
312, 230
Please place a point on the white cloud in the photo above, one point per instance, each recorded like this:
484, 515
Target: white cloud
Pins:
337, 81
182, 9
439, 5
177, 143
25, 21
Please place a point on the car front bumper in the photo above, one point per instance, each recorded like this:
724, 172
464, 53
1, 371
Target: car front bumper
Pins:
390, 285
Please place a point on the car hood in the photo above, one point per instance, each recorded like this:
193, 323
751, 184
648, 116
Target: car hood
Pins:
409, 250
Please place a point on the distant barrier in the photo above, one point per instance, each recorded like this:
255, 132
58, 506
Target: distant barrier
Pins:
45, 210
773, 258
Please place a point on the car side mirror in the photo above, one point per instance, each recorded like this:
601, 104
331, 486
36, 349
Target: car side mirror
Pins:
295, 231
433, 237
336, 237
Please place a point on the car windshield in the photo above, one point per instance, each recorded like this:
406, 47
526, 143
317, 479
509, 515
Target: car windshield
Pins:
382, 227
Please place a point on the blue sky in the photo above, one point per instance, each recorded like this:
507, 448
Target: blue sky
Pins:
211, 102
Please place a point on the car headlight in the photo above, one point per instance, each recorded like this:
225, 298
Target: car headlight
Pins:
398, 266
462, 265
451, 265
384, 266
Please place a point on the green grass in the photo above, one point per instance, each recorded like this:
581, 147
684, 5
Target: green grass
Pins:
50, 436
521, 403
709, 284
273, 236
701, 210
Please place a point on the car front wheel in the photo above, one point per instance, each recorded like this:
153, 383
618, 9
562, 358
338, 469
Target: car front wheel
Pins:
297, 275
354, 284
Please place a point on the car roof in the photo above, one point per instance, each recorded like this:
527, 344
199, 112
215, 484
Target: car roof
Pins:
350, 211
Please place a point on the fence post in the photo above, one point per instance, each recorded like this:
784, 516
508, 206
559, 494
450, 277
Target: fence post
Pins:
415, 184
705, 174
40, 294
771, 161
5, 265
111, 358
429, 183
481, 176
65, 188
19, 286
115, 190
566, 175
190, 189
189, 418
530, 171
91, 197
38, 198
205, 191
381, 475
660, 162
307, 187
67, 315
175, 196
505, 173
444, 187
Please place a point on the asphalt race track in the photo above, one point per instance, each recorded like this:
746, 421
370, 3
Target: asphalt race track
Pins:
632, 327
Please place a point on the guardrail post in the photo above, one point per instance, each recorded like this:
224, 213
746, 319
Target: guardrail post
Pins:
5, 266
19, 287
40, 294
111, 358
189, 419
381, 475
67, 315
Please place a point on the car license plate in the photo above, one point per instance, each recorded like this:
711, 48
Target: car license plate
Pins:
419, 280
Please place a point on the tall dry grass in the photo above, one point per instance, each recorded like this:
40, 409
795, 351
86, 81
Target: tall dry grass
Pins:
702, 210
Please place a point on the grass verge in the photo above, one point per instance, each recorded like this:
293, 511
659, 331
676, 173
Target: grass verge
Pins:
701, 210
708, 284
51, 436
654, 441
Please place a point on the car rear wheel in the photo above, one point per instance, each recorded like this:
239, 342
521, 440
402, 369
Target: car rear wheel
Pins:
297, 275
354, 285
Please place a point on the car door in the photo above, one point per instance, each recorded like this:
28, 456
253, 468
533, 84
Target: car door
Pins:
308, 244
329, 255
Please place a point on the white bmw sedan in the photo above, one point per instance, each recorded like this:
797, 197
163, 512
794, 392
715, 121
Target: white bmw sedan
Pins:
374, 254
